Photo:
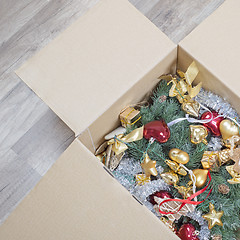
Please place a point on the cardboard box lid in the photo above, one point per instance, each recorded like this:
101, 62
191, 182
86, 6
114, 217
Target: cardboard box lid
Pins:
215, 44
96, 60
77, 199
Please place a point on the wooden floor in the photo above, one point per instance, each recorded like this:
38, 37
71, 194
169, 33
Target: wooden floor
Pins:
31, 136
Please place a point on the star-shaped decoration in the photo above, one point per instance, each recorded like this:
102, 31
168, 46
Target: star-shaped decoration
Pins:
141, 179
149, 166
236, 158
213, 217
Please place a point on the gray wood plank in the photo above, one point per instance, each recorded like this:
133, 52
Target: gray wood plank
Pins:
31, 135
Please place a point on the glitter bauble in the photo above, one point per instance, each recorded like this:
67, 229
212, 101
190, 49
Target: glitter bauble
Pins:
157, 130
214, 125
159, 194
187, 232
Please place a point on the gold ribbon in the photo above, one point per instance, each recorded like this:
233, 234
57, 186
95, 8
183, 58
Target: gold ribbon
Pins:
119, 143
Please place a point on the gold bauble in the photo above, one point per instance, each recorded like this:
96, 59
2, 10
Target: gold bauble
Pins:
228, 129
179, 156
198, 134
201, 177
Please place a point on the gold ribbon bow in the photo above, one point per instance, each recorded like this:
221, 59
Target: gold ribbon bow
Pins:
119, 143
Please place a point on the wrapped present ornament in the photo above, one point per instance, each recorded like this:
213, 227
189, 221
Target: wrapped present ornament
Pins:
211, 161
129, 116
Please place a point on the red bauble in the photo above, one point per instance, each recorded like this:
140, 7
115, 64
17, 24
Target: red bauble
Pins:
213, 125
157, 130
187, 232
159, 194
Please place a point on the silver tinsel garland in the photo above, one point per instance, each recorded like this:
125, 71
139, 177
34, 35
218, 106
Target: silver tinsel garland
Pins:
128, 167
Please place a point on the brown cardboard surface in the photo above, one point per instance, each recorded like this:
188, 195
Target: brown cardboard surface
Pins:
95, 61
214, 44
77, 199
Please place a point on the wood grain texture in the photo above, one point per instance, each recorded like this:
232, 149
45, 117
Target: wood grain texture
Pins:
31, 136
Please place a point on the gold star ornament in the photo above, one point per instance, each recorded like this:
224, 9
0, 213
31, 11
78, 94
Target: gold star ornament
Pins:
149, 166
213, 217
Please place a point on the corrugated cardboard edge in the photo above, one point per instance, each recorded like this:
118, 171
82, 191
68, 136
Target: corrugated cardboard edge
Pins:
54, 80
77, 199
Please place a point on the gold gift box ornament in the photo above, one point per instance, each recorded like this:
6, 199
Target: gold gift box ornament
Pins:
129, 116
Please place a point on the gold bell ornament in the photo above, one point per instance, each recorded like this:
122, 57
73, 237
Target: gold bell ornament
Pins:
201, 177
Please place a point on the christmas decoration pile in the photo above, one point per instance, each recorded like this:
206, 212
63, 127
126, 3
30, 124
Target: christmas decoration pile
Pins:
180, 155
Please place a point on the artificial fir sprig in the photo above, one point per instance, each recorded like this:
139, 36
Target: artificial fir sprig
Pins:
169, 109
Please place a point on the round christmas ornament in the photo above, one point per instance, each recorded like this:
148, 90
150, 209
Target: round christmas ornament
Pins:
214, 125
187, 232
179, 156
157, 130
201, 177
159, 194
228, 129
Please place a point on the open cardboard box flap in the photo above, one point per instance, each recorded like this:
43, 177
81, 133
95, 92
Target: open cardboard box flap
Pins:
214, 44
95, 61
78, 200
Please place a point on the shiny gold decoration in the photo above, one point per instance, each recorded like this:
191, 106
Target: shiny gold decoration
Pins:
186, 192
176, 168
213, 217
201, 177
129, 116
223, 188
228, 129
141, 179
191, 107
168, 223
170, 177
235, 175
198, 134
224, 156
232, 142
119, 145
179, 156
211, 161
236, 158
149, 166
173, 206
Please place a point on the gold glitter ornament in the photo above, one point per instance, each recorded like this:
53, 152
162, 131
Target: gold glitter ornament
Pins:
149, 166
228, 129
224, 156
141, 179
178, 156
213, 217
201, 177
216, 237
176, 168
198, 134
232, 142
223, 188
170, 177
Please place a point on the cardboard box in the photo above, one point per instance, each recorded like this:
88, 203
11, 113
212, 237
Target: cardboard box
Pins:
109, 58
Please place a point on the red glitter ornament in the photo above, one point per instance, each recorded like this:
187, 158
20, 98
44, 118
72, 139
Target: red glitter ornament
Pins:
187, 232
157, 130
159, 194
214, 124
